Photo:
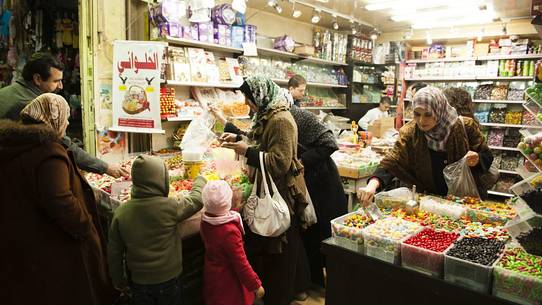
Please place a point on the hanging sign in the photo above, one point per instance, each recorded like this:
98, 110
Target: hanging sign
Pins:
136, 86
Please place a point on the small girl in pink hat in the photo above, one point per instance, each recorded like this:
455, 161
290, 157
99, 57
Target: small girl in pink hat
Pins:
228, 277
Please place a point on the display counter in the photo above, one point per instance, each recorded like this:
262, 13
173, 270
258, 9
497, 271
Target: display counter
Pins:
354, 278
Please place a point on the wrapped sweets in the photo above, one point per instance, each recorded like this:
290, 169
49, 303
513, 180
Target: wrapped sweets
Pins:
387, 233
346, 230
518, 274
431, 220
477, 229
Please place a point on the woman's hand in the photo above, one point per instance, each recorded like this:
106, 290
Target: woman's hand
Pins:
366, 194
228, 137
219, 116
240, 147
472, 158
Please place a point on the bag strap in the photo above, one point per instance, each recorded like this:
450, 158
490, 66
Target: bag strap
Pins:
265, 175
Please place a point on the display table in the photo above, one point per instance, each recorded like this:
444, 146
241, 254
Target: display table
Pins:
353, 278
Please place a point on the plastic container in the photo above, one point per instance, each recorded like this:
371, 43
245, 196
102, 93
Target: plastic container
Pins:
487, 217
423, 260
467, 274
442, 207
394, 199
386, 248
516, 287
347, 237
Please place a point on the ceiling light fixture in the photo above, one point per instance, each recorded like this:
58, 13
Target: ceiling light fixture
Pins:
295, 13
274, 4
271, 3
353, 26
315, 16
335, 23
374, 34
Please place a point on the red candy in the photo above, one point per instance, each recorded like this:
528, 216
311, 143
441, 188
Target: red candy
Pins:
432, 240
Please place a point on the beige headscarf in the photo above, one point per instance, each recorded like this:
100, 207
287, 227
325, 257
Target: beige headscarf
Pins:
51, 109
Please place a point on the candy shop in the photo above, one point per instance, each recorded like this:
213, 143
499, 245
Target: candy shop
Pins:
341, 152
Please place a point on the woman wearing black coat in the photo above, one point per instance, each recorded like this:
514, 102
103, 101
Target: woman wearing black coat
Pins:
316, 144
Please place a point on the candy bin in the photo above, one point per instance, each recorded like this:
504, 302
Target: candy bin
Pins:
383, 238
517, 277
424, 252
483, 92
469, 263
499, 92
497, 114
442, 207
346, 230
496, 137
394, 199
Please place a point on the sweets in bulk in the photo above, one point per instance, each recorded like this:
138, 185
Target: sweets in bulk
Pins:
519, 274
431, 220
497, 115
429, 239
483, 92
477, 250
533, 200
495, 137
388, 232
531, 241
513, 117
482, 116
499, 92
347, 230
528, 118
489, 231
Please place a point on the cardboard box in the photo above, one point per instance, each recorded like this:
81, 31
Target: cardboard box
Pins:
481, 49
379, 127
304, 50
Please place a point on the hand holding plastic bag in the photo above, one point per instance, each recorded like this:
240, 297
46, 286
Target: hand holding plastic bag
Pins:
459, 179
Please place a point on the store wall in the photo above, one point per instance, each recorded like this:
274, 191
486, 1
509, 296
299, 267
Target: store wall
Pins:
271, 25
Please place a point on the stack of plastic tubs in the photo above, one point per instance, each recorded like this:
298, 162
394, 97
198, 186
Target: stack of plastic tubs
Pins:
347, 236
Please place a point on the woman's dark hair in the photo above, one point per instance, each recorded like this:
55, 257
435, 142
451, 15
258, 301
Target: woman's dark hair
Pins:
41, 63
417, 86
296, 81
245, 89
461, 100
385, 100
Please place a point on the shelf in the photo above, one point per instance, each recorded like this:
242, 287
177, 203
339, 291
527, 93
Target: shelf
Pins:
527, 158
322, 61
500, 194
323, 108
280, 81
503, 171
177, 119
506, 78
204, 45
276, 53
246, 117
523, 172
503, 148
469, 78
368, 64
513, 56
498, 102
200, 84
486, 57
371, 84
510, 125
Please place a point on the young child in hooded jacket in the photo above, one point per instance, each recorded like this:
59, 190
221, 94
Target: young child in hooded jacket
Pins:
144, 235
228, 278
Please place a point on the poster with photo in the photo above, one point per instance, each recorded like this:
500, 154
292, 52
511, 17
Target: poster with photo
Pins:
136, 86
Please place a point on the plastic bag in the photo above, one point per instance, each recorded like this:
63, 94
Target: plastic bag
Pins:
198, 136
459, 179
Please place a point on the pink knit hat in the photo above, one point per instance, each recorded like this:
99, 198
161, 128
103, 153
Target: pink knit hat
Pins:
217, 197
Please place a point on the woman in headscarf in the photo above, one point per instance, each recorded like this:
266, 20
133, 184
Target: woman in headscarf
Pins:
54, 252
278, 260
437, 137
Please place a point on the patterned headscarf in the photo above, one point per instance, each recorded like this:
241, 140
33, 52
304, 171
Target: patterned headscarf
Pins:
268, 97
432, 99
51, 109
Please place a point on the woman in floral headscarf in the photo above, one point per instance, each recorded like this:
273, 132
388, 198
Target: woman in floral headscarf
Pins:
278, 260
437, 137
56, 252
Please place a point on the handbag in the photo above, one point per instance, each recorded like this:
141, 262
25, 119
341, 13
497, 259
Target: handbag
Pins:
487, 180
308, 216
268, 216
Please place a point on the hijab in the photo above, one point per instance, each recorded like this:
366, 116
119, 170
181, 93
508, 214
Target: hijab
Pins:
268, 98
432, 99
50, 109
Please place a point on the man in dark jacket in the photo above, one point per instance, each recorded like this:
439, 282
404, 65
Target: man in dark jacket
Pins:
43, 74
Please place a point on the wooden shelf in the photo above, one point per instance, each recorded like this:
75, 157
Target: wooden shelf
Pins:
280, 81
504, 148
200, 84
276, 53
322, 61
498, 102
481, 58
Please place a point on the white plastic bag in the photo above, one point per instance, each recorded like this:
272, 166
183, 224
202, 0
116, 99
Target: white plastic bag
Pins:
308, 216
459, 179
199, 134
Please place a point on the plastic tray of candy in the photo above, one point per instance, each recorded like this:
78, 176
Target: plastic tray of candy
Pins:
384, 248
487, 217
467, 274
394, 199
423, 260
347, 237
516, 287
442, 207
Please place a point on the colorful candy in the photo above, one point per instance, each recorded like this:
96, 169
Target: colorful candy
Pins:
477, 250
437, 241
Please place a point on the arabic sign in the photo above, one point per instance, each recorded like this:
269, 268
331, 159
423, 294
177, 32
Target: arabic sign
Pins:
136, 86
